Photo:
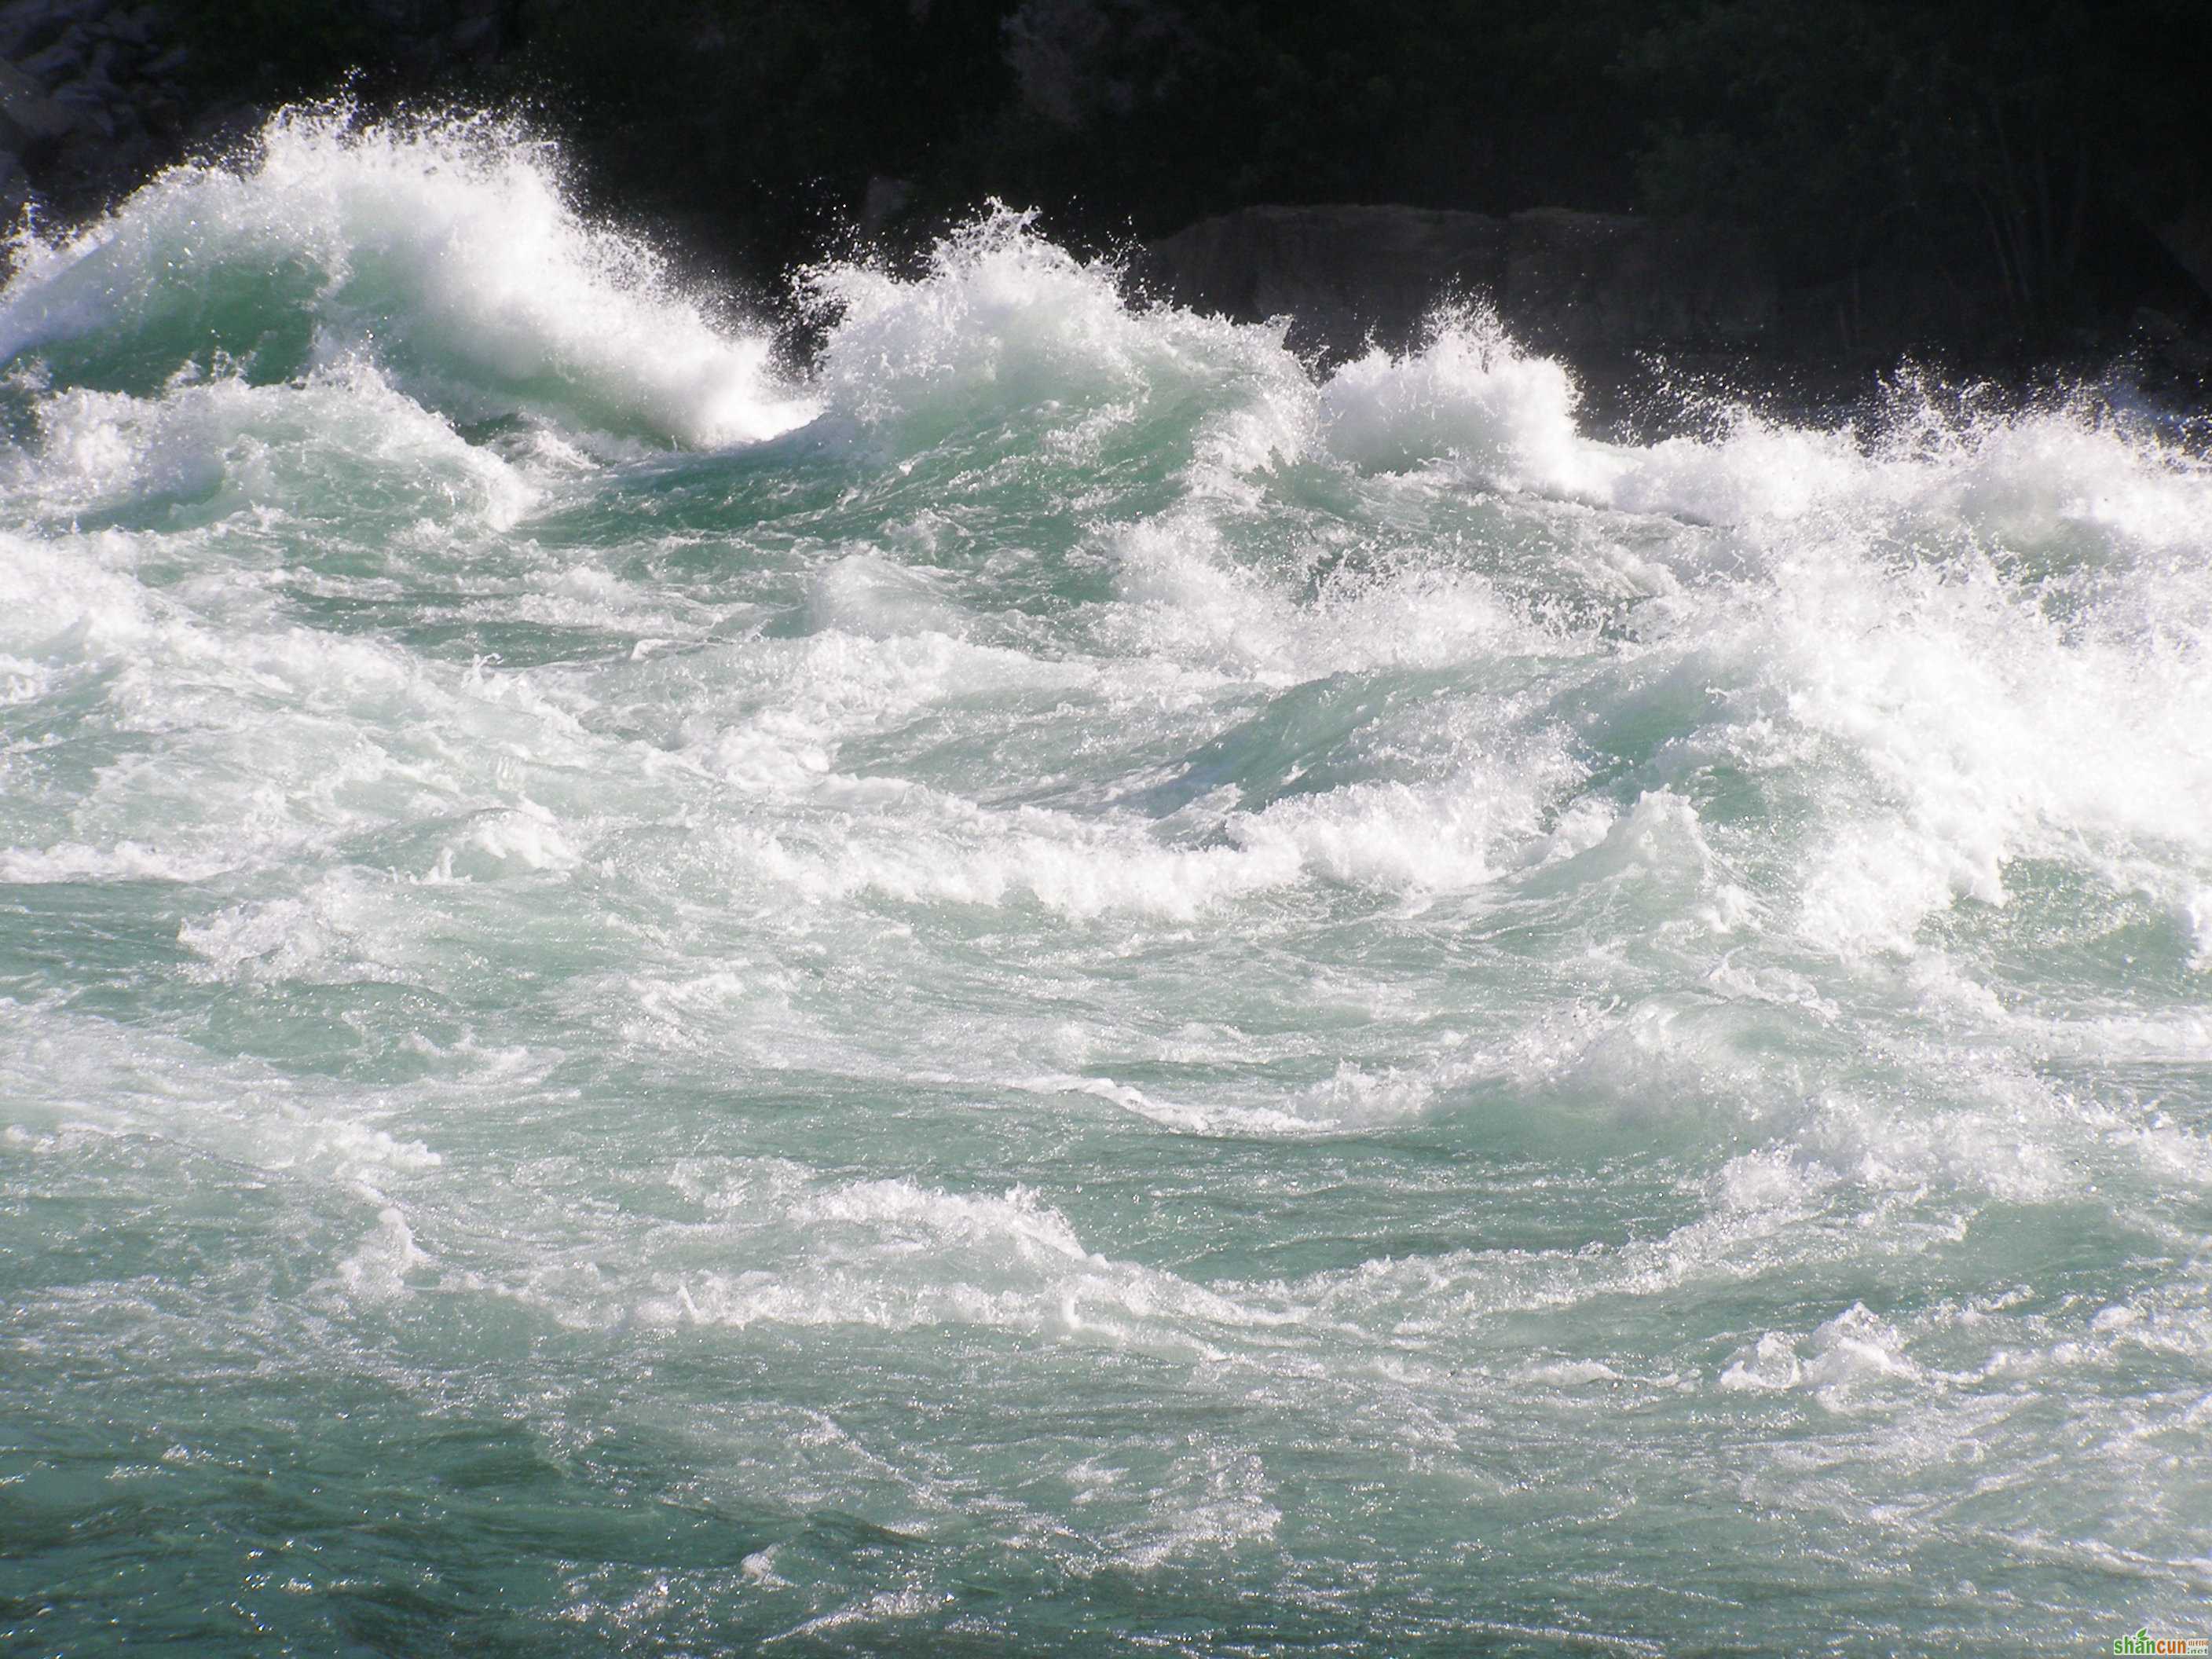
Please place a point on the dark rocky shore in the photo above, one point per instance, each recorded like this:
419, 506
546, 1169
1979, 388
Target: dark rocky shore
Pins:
95, 95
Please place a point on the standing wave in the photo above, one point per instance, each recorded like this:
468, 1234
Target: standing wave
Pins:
443, 252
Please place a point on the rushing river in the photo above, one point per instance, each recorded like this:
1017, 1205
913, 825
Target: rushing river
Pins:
1057, 986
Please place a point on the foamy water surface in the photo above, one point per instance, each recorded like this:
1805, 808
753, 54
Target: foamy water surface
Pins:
1057, 987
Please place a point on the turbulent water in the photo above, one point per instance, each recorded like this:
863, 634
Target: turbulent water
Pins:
1057, 987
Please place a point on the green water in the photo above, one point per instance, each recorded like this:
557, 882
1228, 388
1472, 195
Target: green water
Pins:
1061, 987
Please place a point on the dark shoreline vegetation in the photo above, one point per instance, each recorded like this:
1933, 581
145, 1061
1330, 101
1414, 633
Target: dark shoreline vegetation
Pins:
2015, 193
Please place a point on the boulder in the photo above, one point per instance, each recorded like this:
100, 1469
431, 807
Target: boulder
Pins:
27, 112
2186, 236
93, 95
1600, 283
883, 200
1342, 275
1623, 283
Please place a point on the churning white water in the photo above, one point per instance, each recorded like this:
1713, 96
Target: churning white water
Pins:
1057, 987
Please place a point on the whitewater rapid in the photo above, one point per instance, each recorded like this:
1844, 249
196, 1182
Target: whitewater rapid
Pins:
1058, 985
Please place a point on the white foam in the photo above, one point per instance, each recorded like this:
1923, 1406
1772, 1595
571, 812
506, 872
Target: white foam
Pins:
1840, 1363
867, 593
899, 1255
451, 240
214, 448
377, 1270
1190, 601
1004, 323
88, 1076
1471, 400
1470, 396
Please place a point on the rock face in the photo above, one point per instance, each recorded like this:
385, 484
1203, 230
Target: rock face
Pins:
1597, 283
89, 99
428, 38
1614, 281
95, 95
2187, 236
1339, 273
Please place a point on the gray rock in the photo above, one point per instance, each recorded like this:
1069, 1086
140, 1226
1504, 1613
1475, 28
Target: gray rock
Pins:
59, 62
476, 40
14, 189
1623, 283
883, 201
1342, 275
83, 116
2187, 235
27, 113
2171, 343
1610, 284
136, 27
23, 30
91, 105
